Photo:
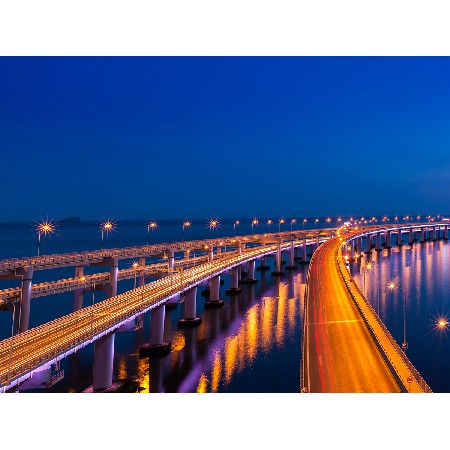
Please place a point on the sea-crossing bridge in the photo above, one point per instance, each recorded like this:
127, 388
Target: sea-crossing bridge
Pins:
330, 289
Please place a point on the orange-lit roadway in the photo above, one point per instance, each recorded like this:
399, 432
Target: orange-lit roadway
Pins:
339, 353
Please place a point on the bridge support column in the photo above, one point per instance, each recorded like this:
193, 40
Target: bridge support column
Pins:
422, 234
156, 345
359, 245
78, 293
214, 293
411, 237
211, 254
446, 233
190, 309
388, 239
317, 242
23, 308
434, 234
103, 362
378, 242
171, 258
263, 265
399, 238
291, 265
368, 243
141, 279
104, 347
234, 288
113, 274
251, 274
278, 271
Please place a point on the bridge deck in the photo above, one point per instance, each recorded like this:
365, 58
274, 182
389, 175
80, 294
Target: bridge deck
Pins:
31, 349
341, 356
346, 348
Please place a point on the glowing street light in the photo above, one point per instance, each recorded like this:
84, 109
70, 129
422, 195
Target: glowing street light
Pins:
269, 222
328, 220
294, 221
255, 221
186, 224
135, 266
213, 224
442, 323
236, 222
152, 225
106, 227
316, 222
45, 227
280, 222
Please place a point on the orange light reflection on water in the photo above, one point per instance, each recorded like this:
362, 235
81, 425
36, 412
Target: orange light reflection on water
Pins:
264, 326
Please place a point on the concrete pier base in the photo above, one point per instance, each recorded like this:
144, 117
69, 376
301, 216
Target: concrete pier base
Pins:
214, 303
155, 350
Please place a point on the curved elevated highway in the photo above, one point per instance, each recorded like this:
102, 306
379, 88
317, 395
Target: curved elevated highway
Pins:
346, 348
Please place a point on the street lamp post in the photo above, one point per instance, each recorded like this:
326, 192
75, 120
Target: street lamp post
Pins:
46, 227
236, 222
255, 221
186, 224
316, 222
152, 225
135, 265
280, 222
106, 227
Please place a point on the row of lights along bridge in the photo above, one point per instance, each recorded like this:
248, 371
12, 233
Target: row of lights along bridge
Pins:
48, 227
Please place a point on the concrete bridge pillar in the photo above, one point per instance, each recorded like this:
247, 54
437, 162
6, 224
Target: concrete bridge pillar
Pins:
422, 234
359, 245
278, 271
317, 242
411, 237
190, 318
22, 310
214, 292
171, 258
263, 265
304, 257
211, 254
111, 288
186, 254
388, 239
446, 232
234, 288
399, 238
104, 347
378, 242
78, 293
434, 233
141, 279
103, 362
251, 274
291, 265
368, 243
219, 249
156, 345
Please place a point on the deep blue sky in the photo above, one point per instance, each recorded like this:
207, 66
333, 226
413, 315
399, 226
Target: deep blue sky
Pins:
235, 137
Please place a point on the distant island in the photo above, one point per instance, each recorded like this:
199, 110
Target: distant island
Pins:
74, 219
